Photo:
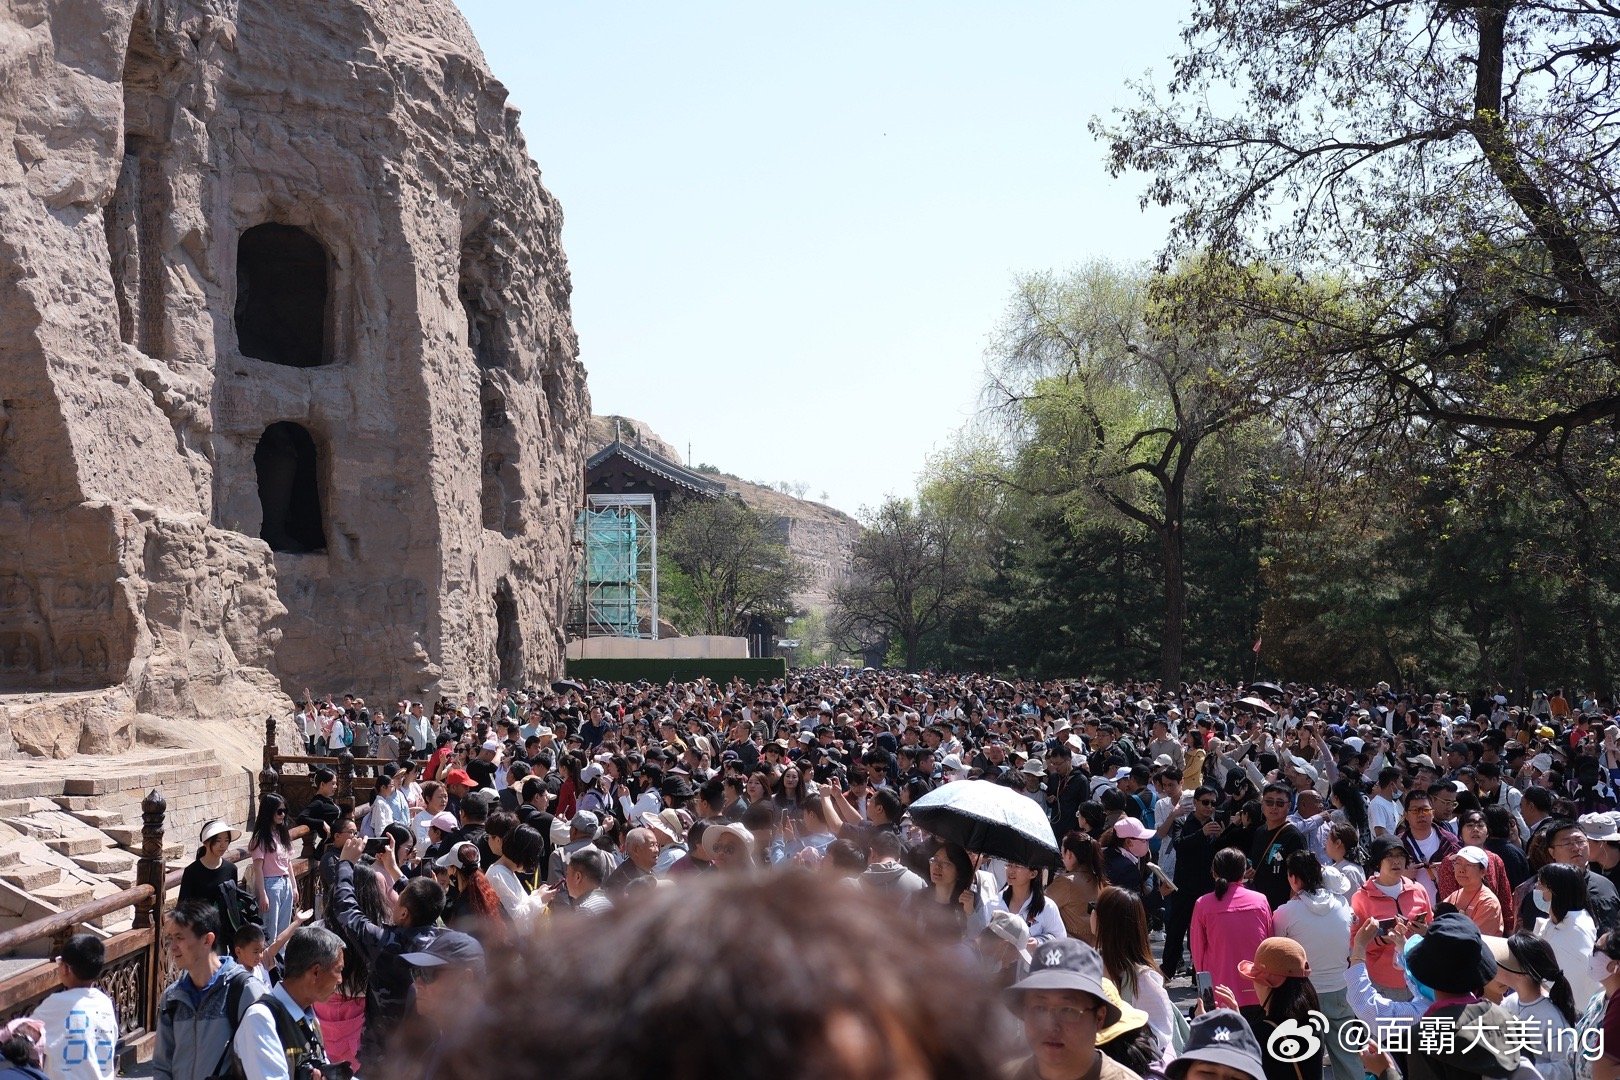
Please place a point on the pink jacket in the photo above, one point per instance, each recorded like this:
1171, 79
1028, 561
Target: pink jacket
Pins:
1369, 902
1227, 930
342, 1019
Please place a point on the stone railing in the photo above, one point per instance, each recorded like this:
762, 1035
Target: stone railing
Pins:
138, 968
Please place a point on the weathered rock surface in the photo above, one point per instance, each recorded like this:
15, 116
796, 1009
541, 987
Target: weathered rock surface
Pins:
816, 533
289, 392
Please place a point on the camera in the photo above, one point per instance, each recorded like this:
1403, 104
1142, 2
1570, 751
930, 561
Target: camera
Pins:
375, 845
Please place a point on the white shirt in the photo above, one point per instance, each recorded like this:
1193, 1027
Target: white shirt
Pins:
1383, 814
81, 1034
1572, 942
507, 887
1047, 925
1152, 998
258, 1046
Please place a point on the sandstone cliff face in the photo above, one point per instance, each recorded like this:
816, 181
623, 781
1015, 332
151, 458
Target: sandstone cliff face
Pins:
817, 534
289, 393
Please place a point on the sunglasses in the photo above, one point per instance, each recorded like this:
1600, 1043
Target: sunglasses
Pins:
1206, 802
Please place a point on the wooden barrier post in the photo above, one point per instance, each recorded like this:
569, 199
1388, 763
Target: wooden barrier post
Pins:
270, 749
150, 870
345, 771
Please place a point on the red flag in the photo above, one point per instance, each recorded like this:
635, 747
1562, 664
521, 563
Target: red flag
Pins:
1257, 646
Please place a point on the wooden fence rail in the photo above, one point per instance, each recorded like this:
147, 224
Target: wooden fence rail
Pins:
138, 967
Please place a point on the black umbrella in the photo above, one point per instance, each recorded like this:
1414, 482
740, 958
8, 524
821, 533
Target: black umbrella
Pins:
988, 818
562, 686
1269, 689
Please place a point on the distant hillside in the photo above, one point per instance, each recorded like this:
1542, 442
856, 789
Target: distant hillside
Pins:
816, 533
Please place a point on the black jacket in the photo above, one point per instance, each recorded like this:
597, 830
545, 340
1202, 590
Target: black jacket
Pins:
1066, 795
321, 810
1194, 854
1268, 854
388, 993
1602, 903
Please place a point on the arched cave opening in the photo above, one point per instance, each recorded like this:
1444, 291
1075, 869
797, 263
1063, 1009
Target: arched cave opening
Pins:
282, 296
508, 643
288, 466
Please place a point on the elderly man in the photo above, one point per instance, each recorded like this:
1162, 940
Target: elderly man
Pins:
280, 1031
581, 832
641, 850
1063, 1006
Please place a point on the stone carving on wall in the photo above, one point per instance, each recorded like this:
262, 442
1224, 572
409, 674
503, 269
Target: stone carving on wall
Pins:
446, 393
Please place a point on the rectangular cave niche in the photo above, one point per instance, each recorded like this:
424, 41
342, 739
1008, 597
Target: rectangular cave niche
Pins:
287, 461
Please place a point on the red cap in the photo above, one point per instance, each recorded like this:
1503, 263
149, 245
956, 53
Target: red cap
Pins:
459, 776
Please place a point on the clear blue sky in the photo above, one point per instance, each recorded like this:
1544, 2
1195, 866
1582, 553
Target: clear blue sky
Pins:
792, 227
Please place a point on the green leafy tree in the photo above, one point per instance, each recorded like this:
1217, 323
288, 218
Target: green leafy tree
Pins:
730, 566
910, 571
1111, 399
1453, 167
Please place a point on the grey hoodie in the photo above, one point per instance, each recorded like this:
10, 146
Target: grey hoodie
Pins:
891, 876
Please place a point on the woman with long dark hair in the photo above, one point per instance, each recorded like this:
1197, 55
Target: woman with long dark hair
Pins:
950, 894
343, 1015
1568, 926
1074, 890
1541, 999
1280, 976
1128, 958
1350, 804
1026, 898
791, 797
271, 851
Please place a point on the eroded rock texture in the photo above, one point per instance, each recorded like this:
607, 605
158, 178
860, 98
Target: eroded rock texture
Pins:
289, 393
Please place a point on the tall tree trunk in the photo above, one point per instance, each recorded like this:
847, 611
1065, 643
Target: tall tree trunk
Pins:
1597, 666
1173, 543
1517, 683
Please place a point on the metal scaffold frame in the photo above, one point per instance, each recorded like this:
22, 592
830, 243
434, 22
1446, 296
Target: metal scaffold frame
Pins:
617, 590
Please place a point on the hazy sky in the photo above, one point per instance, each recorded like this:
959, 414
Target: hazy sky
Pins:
792, 227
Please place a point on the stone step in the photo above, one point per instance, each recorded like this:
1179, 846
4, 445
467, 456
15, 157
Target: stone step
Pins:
106, 862
65, 894
31, 877
74, 803
167, 775
10, 857
98, 819
129, 836
10, 808
78, 845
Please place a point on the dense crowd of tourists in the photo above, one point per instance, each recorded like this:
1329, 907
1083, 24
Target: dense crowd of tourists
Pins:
642, 880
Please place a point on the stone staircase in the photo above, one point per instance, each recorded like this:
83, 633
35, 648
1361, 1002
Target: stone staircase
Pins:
70, 830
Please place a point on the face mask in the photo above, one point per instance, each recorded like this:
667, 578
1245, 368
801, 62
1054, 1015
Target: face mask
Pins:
1540, 899
1597, 966
1391, 891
